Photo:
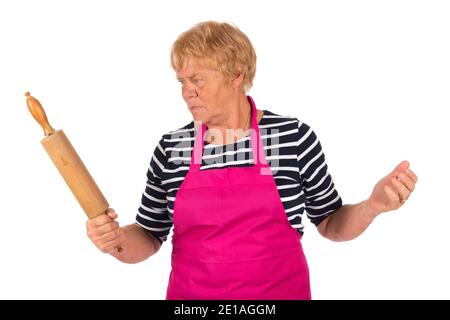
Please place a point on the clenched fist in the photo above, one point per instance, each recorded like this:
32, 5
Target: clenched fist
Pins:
104, 232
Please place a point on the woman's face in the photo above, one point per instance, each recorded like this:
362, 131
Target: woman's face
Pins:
206, 91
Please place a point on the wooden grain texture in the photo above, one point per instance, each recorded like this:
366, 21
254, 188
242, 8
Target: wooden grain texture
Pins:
75, 173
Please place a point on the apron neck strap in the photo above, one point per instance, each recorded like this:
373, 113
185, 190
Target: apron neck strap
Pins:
255, 136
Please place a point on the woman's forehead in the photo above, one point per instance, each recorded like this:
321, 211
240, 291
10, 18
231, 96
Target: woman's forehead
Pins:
195, 66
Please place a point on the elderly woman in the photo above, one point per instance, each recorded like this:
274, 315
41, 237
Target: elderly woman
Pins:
234, 184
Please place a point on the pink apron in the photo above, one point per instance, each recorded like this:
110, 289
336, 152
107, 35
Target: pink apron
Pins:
231, 237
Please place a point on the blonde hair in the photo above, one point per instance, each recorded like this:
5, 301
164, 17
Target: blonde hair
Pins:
227, 47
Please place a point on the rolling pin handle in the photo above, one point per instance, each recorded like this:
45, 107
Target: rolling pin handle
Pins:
38, 113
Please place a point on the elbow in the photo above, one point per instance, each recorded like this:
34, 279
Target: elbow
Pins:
338, 237
330, 232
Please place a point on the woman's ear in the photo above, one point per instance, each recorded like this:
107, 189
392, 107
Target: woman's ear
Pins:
238, 79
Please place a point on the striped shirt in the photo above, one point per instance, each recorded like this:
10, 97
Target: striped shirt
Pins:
292, 150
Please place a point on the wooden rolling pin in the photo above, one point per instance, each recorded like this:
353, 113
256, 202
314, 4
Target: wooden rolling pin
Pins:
69, 164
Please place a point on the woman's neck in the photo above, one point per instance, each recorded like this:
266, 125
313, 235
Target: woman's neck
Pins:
235, 125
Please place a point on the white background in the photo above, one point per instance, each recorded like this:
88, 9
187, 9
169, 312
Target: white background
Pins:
371, 77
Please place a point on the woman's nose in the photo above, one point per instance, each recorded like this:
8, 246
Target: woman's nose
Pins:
189, 92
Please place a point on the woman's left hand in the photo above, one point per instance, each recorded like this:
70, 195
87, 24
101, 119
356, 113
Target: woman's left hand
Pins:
391, 192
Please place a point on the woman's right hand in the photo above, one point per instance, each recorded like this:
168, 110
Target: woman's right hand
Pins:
104, 232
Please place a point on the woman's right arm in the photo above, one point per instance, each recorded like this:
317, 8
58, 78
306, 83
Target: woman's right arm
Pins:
136, 245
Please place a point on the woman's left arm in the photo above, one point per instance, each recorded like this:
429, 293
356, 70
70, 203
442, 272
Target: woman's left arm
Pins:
390, 193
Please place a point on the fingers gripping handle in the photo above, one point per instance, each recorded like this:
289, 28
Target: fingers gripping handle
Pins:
108, 212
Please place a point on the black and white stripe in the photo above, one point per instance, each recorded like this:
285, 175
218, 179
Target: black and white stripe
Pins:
292, 150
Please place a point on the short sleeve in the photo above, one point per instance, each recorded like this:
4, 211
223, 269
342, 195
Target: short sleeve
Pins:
152, 214
321, 196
